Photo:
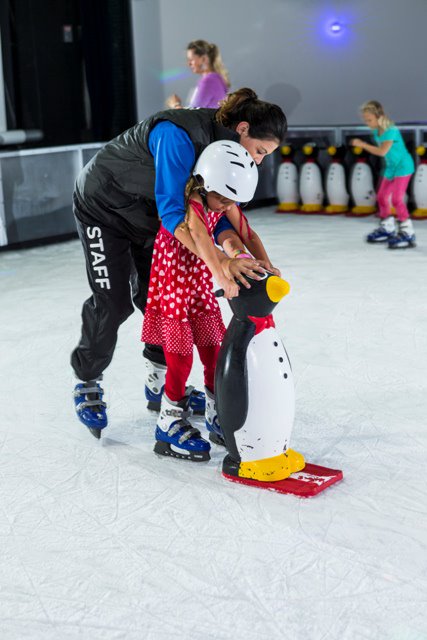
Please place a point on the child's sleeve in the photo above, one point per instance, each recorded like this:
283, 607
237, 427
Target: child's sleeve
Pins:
223, 224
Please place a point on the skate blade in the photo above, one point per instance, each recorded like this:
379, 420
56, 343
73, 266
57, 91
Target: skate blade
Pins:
405, 246
95, 432
165, 449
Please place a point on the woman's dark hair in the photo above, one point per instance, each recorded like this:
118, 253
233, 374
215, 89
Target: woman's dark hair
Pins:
266, 121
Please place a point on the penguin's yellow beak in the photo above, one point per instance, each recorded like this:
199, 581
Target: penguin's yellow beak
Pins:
277, 288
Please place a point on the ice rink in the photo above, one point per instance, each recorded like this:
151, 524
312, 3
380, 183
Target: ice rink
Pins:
106, 541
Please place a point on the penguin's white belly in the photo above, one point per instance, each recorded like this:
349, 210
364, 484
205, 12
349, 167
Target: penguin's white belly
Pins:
271, 399
362, 185
420, 187
287, 183
335, 185
310, 184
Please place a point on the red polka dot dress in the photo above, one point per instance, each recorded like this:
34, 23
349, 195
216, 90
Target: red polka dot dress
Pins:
182, 310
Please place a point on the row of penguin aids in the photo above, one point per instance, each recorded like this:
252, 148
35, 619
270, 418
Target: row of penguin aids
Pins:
301, 190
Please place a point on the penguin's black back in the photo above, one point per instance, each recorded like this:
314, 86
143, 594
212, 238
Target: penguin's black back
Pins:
231, 381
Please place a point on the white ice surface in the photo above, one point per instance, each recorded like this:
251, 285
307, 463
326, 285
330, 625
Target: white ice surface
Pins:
107, 541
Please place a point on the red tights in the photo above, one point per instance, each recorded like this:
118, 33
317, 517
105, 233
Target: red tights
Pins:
179, 367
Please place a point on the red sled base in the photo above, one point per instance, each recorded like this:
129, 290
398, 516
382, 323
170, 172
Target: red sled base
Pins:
312, 480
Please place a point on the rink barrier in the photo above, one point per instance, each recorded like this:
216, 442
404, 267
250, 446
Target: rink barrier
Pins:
36, 185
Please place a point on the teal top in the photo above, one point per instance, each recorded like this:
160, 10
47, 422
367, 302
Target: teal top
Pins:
398, 160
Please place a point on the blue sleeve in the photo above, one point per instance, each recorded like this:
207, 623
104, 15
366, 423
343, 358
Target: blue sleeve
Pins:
174, 158
222, 225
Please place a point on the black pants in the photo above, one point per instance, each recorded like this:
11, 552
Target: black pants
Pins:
118, 270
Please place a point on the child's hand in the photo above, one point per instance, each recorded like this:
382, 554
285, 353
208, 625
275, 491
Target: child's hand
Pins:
231, 290
269, 267
238, 268
357, 142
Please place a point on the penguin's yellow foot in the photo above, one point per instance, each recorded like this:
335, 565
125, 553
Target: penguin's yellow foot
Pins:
272, 469
363, 211
296, 460
336, 208
287, 206
419, 214
311, 208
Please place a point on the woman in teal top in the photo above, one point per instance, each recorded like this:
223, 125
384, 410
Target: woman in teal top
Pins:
399, 167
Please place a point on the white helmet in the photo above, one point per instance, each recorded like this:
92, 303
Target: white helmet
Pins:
227, 168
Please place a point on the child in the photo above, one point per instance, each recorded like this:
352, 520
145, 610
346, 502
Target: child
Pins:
181, 307
399, 166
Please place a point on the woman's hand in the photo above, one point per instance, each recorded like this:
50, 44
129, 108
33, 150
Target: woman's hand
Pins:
231, 290
269, 267
238, 268
173, 102
357, 142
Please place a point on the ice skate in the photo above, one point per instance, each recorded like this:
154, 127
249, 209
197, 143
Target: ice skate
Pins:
175, 435
384, 232
211, 420
90, 407
405, 236
155, 383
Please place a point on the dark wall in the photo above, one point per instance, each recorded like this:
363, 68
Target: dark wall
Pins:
45, 55
68, 68
107, 51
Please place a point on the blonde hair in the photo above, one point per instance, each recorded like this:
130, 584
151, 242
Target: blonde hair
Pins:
376, 109
204, 48
195, 183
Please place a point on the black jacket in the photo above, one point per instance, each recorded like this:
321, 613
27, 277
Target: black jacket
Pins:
117, 186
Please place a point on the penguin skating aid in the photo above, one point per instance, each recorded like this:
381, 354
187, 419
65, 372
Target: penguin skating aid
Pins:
336, 189
362, 185
287, 182
256, 399
310, 181
420, 185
